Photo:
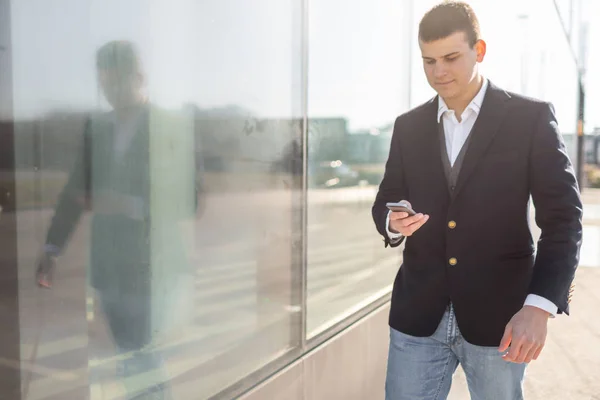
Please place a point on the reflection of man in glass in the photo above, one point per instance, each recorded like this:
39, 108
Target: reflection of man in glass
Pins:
137, 174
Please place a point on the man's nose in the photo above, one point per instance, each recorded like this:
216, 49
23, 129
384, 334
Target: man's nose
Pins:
440, 70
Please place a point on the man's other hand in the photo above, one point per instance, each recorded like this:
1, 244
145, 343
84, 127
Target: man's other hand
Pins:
526, 335
401, 222
45, 270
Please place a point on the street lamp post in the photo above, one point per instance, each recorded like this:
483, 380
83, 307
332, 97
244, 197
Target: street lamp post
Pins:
581, 70
523, 19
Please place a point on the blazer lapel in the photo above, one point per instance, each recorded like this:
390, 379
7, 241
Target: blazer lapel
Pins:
488, 122
431, 145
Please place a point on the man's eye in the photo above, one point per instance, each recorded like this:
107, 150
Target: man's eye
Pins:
430, 62
451, 59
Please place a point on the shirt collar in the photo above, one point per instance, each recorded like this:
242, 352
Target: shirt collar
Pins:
474, 105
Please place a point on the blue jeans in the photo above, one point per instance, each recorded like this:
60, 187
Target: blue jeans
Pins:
421, 368
128, 315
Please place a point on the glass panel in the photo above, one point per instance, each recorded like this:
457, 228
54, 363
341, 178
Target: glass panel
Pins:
590, 251
358, 85
158, 171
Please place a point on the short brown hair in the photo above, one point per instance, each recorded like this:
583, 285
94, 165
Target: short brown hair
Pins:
120, 56
447, 18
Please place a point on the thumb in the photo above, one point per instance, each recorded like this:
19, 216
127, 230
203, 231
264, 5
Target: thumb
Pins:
506, 339
44, 282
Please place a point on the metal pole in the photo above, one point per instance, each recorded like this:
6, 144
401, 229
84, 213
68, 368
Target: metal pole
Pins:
524, 20
305, 177
580, 135
409, 38
581, 70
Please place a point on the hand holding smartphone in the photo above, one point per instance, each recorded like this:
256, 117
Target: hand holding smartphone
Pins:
405, 225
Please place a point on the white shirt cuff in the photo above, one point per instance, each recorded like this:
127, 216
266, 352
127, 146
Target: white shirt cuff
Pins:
394, 237
52, 249
543, 303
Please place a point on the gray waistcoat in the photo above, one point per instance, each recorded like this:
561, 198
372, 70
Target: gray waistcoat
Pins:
451, 171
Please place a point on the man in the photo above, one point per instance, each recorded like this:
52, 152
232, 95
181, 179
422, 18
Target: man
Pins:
136, 173
470, 290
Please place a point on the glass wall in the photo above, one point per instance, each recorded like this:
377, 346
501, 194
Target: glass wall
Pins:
358, 83
158, 166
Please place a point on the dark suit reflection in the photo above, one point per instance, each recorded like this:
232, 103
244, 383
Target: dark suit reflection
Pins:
122, 176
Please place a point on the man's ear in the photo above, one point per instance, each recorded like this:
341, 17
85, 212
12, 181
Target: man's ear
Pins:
480, 49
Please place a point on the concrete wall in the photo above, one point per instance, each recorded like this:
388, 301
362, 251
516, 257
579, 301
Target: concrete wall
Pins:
349, 366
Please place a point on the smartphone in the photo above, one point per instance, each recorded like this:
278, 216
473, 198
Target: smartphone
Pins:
401, 206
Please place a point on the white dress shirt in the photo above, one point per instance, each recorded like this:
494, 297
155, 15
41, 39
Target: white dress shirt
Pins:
456, 133
125, 130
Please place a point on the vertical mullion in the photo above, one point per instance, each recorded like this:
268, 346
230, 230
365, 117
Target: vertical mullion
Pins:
304, 227
10, 373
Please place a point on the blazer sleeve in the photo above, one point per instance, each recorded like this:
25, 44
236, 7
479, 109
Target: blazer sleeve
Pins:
73, 197
392, 187
559, 210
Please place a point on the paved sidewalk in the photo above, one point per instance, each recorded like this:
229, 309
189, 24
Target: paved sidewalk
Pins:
569, 367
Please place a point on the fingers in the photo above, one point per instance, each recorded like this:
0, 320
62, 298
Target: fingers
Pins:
415, 219
409, 225
526, 334
405, 219
43, 280
506, 339
45, 283
43, 274
412, 228
526, 347
523, 352
396, 215
535, 349
513, 352
522, 349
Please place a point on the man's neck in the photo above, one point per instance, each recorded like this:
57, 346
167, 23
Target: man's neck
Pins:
459, 104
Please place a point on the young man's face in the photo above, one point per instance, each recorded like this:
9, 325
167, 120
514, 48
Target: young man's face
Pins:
120, 91
451, 63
